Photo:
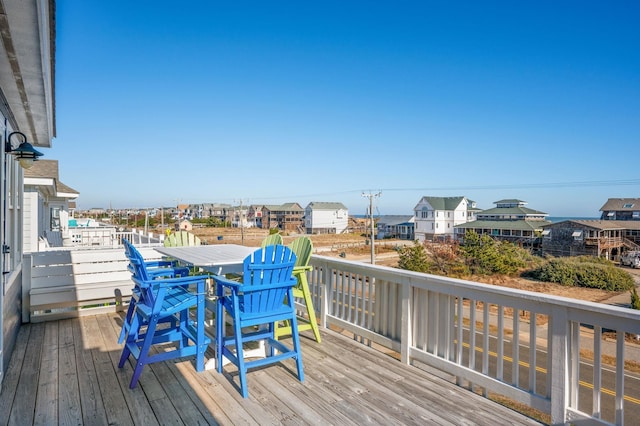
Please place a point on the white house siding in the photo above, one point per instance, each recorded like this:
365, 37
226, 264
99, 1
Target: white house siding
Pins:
30, 217
321, 221
431, 222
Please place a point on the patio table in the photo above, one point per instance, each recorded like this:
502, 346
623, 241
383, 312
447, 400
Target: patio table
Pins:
218, 259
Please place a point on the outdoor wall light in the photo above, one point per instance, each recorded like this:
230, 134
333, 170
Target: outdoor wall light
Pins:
25, 152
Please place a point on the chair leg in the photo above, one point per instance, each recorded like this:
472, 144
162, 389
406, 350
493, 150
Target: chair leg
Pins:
242, 369
200, 343
309, 303
220, 334
144, 351
126, 325
296, 347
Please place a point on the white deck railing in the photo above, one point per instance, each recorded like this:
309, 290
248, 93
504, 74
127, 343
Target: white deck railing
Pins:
467, 329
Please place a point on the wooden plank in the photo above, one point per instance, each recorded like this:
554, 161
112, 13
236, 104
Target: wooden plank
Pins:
23, 409
92, 406
13, 373
69, 392
48, 280
47, 391
231, 404
136, 400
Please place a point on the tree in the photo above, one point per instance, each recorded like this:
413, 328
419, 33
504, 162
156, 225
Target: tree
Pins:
413, 258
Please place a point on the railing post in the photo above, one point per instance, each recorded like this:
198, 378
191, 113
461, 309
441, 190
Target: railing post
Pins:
325, 287
559, 353
406, 336
27, 262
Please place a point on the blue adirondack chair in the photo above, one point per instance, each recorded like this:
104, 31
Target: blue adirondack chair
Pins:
166, 302
261, 299
149, 270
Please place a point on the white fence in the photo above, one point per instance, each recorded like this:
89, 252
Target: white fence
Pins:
494, 340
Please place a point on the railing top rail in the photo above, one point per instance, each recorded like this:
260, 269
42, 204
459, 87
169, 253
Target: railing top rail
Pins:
470, 289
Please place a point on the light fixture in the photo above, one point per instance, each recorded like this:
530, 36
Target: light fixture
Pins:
25, 152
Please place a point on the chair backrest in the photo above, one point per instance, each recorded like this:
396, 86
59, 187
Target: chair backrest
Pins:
136, 261
268, 275
271, 240
302, 247
181, 239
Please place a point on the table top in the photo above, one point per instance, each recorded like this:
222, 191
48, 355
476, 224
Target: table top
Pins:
209, 257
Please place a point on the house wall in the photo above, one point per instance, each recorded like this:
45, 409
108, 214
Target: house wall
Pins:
12, 315
326, 221
30, 212
561, 242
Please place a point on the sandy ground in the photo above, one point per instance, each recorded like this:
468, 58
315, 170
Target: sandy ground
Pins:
355, 247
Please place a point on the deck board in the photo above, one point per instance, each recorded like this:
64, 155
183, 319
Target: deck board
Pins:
345, 383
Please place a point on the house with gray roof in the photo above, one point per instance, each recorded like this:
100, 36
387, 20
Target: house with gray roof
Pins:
285, 217
621, 209
509, 220
326, 218
45, 205
396, 226
591, 237
436, 217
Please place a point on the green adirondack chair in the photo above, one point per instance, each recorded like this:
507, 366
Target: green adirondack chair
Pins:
302, 247
272, 240
181, 239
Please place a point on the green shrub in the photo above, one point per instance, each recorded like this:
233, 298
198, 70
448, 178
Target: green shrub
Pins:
485, 256
635, 299
581, 272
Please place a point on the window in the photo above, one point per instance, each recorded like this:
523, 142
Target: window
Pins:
627, 206
55, 218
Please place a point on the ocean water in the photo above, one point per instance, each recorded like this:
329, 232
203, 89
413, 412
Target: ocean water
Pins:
556, 219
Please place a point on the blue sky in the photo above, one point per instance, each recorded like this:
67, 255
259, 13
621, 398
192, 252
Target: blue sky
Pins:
286, 101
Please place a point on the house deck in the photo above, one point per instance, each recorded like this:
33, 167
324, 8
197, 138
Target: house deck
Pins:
65, 372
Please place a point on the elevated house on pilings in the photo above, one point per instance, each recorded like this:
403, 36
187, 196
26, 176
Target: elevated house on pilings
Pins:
593, 237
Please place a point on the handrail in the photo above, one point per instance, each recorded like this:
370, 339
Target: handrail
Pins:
435, 320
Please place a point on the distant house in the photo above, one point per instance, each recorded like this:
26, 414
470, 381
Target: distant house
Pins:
326, 218
601, 238
211, 210
183, 225
45, 205
436, 217
285, 217
510, 220
401, 227
621, 209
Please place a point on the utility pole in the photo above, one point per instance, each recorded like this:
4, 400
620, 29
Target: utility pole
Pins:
241, 223
371, 196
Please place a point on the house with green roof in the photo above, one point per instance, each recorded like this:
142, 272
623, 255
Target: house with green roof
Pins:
436, 217
509, 220
326, 218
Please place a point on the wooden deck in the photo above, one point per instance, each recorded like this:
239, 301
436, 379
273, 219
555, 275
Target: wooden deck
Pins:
65, 372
